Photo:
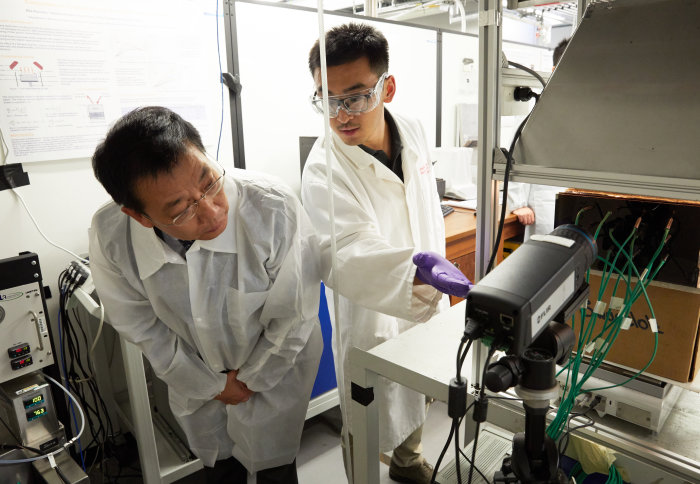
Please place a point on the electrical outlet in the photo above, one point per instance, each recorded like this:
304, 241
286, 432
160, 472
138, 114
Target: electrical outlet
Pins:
13, 176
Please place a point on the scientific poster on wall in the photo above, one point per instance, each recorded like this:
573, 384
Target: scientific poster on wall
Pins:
69, 69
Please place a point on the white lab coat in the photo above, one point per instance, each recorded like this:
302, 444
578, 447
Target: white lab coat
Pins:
245, 300
541, 199
380, 224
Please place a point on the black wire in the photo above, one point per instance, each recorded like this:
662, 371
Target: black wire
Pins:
529, 71
474, 466
461, 359
569, 430
447, 445
455, 424
442, 454
79, 374
566, 436
506, 176
61, 475
19, 442
482, 390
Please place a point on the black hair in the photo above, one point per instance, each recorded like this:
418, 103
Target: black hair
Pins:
559, 51
350, 42
146, 142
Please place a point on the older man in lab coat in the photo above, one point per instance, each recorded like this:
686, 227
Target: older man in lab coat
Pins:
216, 279
386, 210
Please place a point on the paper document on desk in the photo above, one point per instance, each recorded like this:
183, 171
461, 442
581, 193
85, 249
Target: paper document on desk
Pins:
461, 203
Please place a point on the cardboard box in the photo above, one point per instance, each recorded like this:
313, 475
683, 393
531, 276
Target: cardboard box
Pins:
677, 310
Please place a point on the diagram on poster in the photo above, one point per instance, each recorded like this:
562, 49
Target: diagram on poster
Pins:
69, 69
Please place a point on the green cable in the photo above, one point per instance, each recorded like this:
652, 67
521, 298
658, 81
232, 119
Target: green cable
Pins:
600, 225
600, 356
568, 399
613, 328
635, 296
656, 343
580, 212
614, 262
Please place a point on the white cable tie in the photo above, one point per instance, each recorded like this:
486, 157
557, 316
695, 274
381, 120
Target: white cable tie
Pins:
626, 323
652, 324
616, 303
644, 275
600, 308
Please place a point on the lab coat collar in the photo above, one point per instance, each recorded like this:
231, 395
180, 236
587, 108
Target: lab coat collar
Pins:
364, 161
226, 242
152, 253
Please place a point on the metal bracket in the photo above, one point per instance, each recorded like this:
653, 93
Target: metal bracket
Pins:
232, 81
37, 325
363, 396
489, 18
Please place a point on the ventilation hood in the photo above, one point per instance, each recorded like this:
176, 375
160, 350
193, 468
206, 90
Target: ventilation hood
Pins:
623, 105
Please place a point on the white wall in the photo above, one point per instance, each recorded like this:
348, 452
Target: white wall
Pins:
277, 83
459, 81
63, 195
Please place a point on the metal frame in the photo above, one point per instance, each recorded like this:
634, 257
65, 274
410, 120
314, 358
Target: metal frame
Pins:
503, 413
617, 182
438, 91
422, 359
234, 92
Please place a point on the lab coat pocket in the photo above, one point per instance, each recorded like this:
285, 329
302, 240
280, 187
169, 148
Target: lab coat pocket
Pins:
243, 311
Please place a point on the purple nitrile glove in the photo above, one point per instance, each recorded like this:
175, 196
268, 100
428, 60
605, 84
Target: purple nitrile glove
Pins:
440, 273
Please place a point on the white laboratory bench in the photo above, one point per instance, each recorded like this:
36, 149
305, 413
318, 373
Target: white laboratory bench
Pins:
424, 359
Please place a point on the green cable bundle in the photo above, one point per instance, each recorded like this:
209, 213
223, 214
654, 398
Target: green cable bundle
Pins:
612, 323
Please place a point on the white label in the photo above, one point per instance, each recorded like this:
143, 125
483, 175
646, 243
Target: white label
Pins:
552, 305
626, 323
27, 389
590, 347
652, 324
616, 303
553, 239
600, 308
42, 325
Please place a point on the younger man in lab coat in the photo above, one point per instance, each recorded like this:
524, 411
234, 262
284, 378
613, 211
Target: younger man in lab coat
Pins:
215, 277
386, 209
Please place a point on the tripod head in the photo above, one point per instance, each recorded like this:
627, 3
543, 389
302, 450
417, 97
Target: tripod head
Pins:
535, 458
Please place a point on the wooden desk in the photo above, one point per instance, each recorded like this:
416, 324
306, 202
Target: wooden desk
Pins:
460, 240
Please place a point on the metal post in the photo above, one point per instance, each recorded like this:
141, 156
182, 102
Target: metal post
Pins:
580, 9
370, 8
234, 89
438, 92
142, 425
365, 428
489, 122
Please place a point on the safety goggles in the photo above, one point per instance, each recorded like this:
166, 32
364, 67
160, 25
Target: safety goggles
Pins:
356, 103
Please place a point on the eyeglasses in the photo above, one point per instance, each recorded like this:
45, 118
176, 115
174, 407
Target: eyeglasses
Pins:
357, 103
211, 191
